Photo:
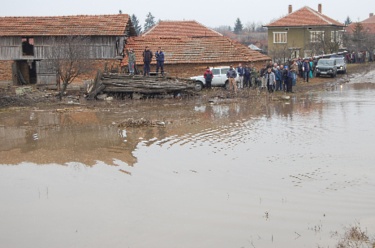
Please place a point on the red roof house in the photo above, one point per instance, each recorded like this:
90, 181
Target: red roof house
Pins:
301, 33
190, 47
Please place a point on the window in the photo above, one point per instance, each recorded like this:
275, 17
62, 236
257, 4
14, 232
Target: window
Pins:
336, 36
224, 71
28, 46
280, 37
216, 71
316, 36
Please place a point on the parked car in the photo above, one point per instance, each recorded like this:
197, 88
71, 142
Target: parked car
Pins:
219, 80
340, 64
326, 67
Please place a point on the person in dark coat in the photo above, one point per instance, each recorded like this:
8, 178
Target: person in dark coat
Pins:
306, 70
247, 77
147, 58
208, 76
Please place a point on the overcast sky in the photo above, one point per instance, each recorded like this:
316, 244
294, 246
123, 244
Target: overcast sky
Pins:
211, 13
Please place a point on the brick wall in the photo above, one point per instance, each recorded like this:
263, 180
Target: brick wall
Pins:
190, 70
6, 70
98, 65
176, 70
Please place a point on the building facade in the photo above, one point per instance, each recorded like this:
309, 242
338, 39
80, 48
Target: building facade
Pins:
304, 33
26, 43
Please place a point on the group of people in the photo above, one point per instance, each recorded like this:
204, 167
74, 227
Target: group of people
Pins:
244, 75
358, 57
147, 58
272, 76
281, 77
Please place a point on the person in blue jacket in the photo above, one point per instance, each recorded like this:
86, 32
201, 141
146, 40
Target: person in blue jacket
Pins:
159, 55
240, 71
278, 75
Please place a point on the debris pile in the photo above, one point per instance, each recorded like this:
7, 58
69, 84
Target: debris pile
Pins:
119, 83
141, 123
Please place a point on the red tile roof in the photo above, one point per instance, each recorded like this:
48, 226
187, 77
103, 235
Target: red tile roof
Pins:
368, 27
304, 17
180, 28
190, 50
371, 19
91, 25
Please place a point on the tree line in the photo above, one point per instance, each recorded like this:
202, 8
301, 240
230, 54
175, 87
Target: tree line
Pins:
238, 28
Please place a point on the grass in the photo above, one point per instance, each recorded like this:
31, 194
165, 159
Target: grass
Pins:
356, 237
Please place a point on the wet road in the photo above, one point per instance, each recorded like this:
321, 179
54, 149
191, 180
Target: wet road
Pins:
230, 174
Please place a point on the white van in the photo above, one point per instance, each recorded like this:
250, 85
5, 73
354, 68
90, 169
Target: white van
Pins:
219, 80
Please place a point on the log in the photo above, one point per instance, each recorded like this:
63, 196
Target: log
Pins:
92, 95
123, 83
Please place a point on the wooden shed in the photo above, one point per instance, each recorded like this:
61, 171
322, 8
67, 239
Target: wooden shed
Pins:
25, 43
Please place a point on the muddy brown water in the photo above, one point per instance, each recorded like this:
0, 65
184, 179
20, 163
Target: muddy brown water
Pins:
222, 174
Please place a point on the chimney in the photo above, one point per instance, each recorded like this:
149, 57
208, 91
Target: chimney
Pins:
371, 14
320, 8
290, 9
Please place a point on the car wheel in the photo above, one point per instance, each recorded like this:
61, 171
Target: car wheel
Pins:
226, 85
198, 86
317, 75
344, 72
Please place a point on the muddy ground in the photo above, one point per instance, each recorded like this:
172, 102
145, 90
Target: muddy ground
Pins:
47, 98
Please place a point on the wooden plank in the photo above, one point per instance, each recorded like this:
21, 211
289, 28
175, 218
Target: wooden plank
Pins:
92, 95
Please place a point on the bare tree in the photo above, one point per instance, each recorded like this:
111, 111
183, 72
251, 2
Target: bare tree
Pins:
361, 40
281, 53
324, 42
250, 27
69, 57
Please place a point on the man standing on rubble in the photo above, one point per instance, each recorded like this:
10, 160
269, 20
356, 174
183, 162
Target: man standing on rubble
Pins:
147, 57
131, 61
159, 55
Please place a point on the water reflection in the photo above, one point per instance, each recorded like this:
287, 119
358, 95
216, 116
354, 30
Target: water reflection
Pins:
52, 137
263, 172
86, 136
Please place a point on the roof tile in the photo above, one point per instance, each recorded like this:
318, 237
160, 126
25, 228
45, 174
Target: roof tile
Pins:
304, 17
92, 25
180, 28
187, 50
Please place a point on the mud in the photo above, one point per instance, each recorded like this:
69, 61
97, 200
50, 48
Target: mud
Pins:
38, 98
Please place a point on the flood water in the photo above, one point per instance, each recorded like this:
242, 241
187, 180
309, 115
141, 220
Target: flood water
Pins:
280, 174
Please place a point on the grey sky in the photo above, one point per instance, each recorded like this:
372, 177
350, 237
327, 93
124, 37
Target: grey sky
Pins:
211, 13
